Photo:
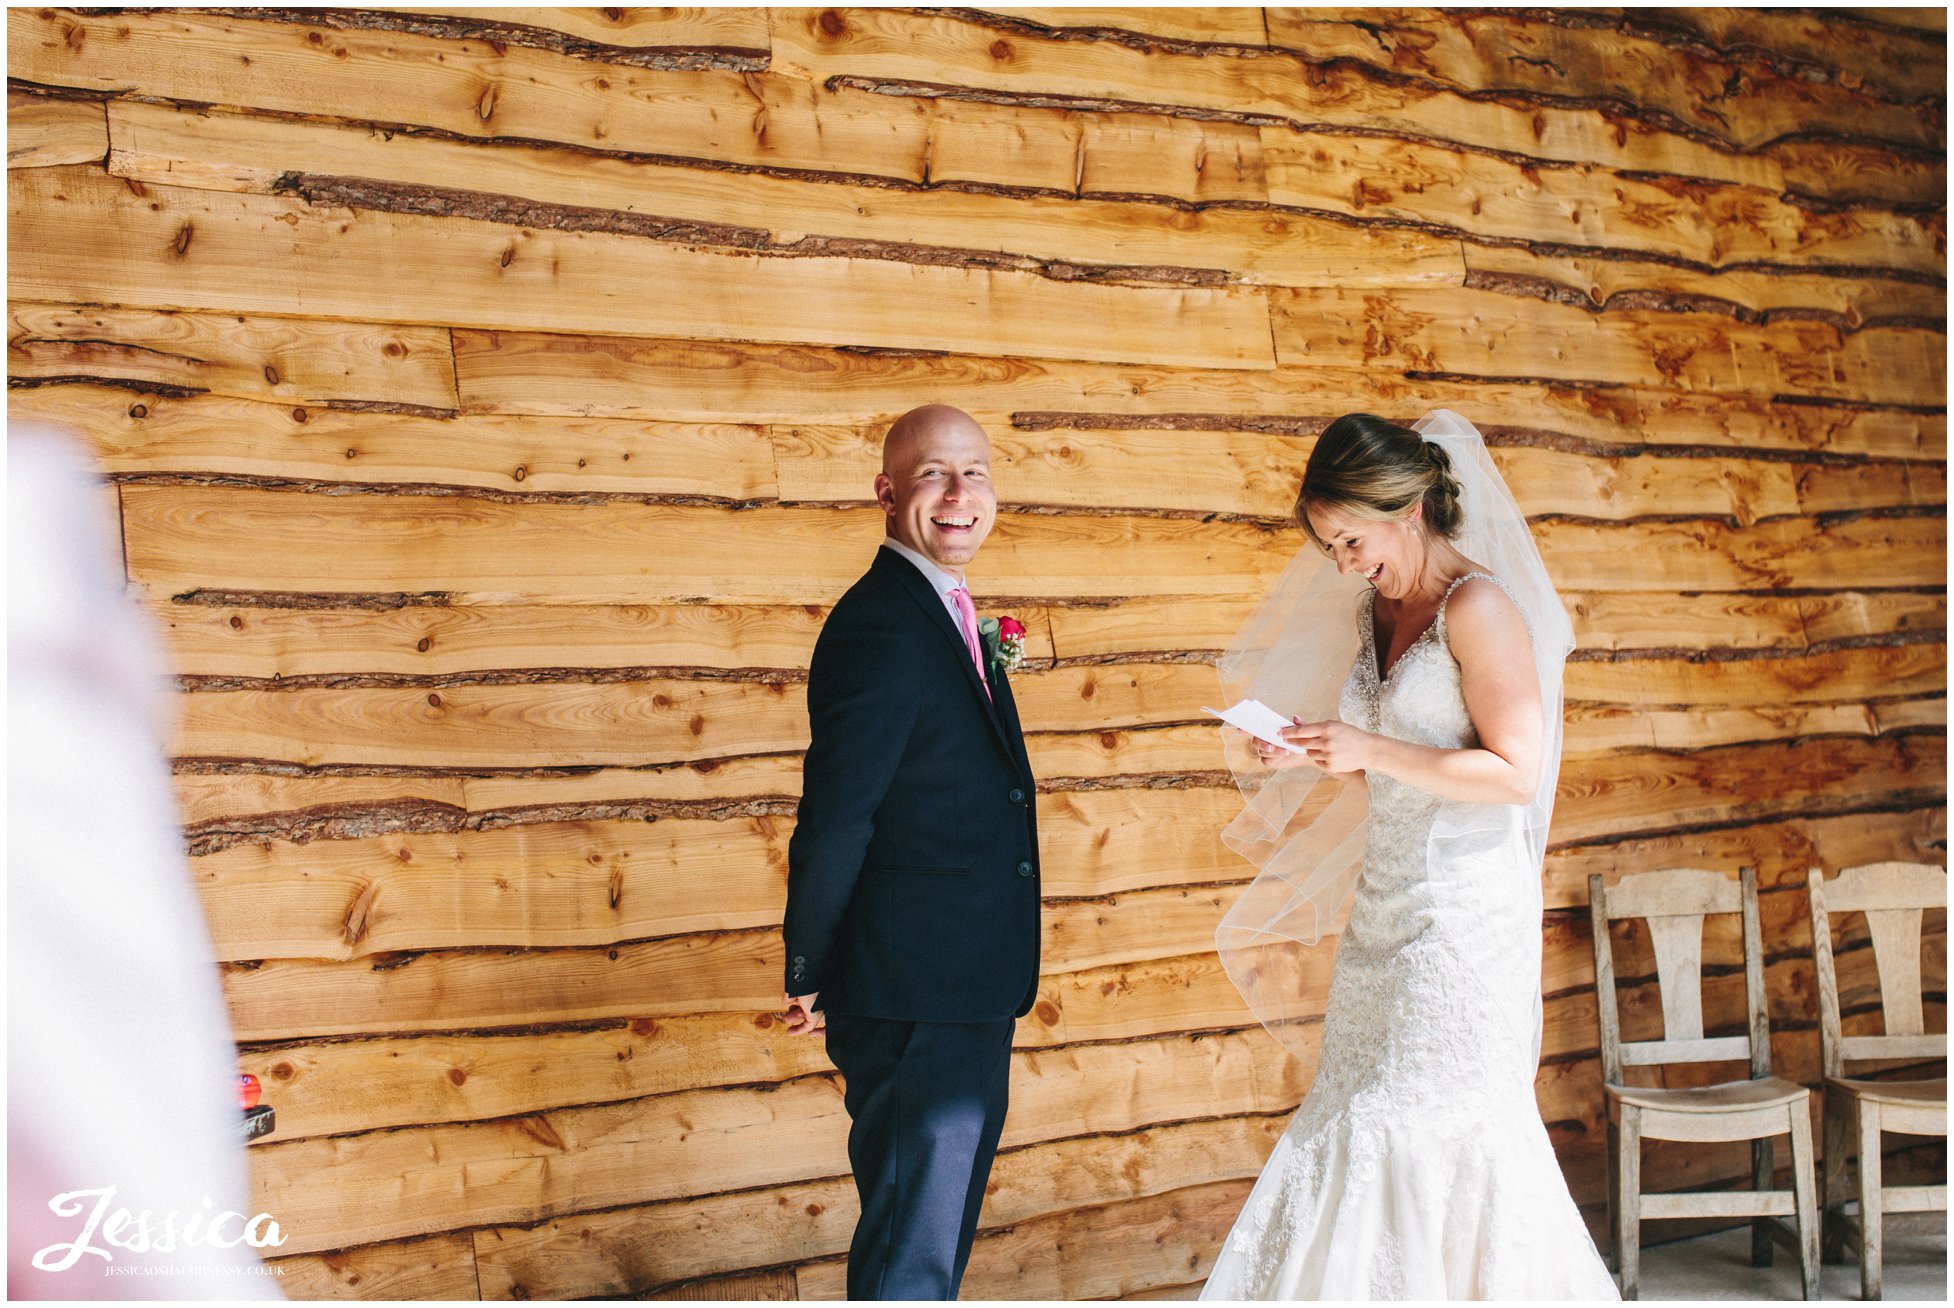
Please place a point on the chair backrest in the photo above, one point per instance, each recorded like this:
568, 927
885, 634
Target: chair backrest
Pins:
1674, 902
1894, 897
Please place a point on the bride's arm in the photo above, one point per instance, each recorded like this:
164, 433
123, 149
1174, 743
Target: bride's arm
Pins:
1502, 696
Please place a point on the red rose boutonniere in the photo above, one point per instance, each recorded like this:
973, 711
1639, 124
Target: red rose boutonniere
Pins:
1003, 642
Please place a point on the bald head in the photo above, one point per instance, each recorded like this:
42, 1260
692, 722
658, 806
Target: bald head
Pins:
919, 426
935, 485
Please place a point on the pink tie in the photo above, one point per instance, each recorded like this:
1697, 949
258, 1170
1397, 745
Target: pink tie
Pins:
967, 619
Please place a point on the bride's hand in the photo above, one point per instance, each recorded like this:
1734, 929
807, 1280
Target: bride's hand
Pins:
1273, 756
1333, 746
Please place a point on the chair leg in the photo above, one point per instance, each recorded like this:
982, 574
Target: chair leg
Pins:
1628, 1215
1761, 1170
1614, 1196
1838, 1142
1804, 1190
1869, 1214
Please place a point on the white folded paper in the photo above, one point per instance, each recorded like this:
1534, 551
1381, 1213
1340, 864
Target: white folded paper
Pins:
1259, 721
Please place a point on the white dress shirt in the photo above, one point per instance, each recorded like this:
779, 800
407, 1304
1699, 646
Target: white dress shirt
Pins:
937, 577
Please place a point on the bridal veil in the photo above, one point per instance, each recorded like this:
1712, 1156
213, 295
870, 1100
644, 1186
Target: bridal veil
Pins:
1307, 832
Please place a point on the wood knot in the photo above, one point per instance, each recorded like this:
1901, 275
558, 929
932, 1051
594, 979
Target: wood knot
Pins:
486, 105
424, 644
1001, 50
522, 473
300, 416
456, 1075
832, 24
433, 700
237, 623
271, 375
182, 242
139, 411
1046, 1012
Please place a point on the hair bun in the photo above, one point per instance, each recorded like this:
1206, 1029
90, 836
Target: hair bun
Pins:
1442, 511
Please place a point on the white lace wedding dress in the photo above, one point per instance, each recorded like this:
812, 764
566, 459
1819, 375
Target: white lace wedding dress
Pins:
1418, 1167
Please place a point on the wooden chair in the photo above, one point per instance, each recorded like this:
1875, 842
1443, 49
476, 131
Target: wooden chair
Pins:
1893, 897
1674, 902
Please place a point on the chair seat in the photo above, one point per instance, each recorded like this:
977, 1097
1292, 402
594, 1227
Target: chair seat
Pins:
1727, 1097
1907, 1093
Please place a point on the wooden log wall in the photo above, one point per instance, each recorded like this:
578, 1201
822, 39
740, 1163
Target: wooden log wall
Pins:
491, 398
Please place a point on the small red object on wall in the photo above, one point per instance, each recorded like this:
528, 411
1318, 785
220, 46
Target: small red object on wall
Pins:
248, 1090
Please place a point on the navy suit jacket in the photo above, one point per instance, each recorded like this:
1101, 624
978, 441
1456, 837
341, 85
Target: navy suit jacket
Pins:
912, 875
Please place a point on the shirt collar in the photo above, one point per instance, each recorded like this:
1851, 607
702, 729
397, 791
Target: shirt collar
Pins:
942, 581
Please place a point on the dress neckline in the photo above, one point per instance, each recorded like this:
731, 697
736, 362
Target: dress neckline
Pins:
1438, 616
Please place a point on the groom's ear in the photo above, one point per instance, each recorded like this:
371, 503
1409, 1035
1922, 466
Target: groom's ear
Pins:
885, 492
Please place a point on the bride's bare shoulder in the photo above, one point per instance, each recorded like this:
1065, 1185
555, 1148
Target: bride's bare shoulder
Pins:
1480, 613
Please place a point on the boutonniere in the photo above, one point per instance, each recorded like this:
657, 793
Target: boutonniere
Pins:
1003, 643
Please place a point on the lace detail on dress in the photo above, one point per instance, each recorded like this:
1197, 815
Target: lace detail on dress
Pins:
1418, 1165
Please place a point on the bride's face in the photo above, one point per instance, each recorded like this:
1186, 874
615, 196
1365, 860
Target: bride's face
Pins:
1383, 553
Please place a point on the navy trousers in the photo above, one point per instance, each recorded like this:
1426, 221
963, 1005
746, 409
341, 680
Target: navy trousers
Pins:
926, 1105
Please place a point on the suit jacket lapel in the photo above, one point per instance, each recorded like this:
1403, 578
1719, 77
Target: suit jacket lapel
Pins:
919, 590
1006, 707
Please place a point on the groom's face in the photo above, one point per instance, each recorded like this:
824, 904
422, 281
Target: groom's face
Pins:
936, 488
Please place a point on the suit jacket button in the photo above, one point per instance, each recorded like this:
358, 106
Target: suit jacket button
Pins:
1017, 797
799, 960
1024, 869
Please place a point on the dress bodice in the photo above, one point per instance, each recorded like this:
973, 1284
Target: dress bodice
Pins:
1420, 700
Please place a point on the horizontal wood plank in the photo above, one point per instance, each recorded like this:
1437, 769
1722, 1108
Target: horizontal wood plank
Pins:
147, 435
189, 249
1621, 794
1856, 301
273, 801
1780, 851
1217, 24
44, 133
1846, 674
1540, 54
1487, 334
436, 1267
289, 360
1903, 62
1486, 195
637, 30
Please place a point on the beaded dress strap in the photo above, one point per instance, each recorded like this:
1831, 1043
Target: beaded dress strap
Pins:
1439, 621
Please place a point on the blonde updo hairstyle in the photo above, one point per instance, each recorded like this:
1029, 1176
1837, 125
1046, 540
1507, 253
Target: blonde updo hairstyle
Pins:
1369, 468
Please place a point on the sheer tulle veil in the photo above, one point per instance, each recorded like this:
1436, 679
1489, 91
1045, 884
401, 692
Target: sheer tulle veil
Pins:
1306, 832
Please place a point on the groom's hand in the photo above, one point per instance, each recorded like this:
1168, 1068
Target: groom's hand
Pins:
800, 1015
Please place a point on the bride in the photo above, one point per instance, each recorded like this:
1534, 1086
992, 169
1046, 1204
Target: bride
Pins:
1417, 1167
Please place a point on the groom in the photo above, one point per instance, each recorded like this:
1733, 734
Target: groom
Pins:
912, 882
